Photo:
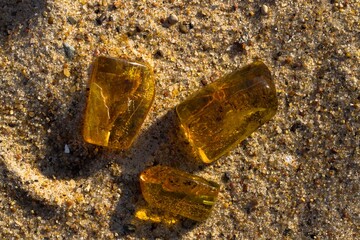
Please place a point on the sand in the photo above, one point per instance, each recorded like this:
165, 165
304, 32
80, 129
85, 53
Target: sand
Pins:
297, 177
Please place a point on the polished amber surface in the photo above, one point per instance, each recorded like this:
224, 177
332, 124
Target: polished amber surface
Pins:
121, 94
225, 112
179, 192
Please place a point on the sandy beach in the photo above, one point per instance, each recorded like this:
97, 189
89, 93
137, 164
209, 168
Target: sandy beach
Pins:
296, 177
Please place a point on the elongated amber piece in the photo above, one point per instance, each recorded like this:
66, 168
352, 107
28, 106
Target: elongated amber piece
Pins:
179, 192
121, 94
225, 112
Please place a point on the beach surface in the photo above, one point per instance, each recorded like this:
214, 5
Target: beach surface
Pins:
296, 177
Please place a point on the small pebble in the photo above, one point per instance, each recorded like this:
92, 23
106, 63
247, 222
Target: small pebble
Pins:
172, 19
183, 28
71, 20
31, 114
67, 72
264, 9
101, 19
69, 50
192, 25
66, 149
159, 53
50, 20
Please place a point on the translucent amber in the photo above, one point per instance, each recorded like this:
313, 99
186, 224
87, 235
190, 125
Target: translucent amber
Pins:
156, 215
121, 94
225, 112
179, 192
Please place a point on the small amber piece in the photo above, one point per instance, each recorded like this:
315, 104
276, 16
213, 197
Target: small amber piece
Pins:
225, 112
121, 94
179, 192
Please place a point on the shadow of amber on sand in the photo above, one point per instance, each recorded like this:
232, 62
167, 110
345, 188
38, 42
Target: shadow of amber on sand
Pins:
17, 14
167, 146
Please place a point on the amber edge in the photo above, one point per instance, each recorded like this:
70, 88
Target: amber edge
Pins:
85, 114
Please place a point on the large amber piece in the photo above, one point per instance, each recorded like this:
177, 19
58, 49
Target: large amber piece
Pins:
179, 192
225, 112
121, 94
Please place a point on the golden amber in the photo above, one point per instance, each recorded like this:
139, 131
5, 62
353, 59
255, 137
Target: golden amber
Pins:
121, 94
179, 192
225, 112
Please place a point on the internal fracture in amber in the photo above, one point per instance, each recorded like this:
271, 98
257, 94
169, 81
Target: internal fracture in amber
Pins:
225, 112
179, 192
121, 94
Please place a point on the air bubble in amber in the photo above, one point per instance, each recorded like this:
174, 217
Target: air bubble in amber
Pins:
225, 112
121, 94
179, 192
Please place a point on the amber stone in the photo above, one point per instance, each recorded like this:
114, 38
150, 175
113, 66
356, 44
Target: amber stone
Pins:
179, 192
225, 112
121, 94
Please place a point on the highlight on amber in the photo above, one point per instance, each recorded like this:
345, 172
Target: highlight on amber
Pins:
179, 192
155, 215
221, 115
121, 94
